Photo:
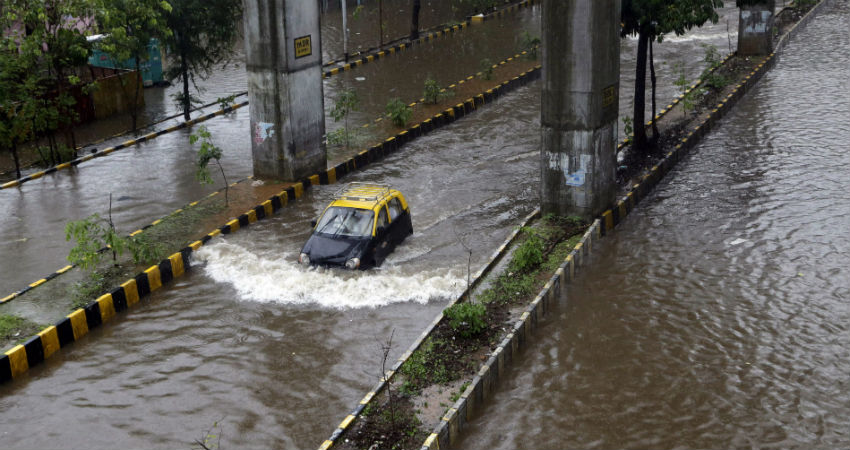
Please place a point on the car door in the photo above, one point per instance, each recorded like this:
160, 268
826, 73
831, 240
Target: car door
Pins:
396, 221
382, 242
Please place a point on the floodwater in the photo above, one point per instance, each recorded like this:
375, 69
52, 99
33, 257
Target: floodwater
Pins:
716, 316
274, 353
37, 212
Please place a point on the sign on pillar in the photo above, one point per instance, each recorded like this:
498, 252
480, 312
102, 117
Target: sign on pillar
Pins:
283, 61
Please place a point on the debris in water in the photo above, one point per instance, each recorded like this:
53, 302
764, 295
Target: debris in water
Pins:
738, 241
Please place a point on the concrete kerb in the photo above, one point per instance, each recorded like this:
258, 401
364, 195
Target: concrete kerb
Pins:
447, 432
482, 386
128, 143
402, 44
67, 268
16, 361
470, 103
376, 54
494, 259
664, 111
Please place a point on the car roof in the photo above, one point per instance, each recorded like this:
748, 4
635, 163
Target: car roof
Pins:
363, 195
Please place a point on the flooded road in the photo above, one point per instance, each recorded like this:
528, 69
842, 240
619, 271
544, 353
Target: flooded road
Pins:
38, 211
272, 351
716, 316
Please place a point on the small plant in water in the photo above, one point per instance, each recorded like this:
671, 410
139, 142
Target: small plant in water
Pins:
530, 44
346, 102
485, 67
398, 112
628, 129
433, 93
208, 153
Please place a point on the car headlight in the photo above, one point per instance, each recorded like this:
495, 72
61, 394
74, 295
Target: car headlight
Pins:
352, 263
304, 259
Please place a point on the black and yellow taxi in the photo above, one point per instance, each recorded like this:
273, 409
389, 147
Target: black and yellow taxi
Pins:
361, 226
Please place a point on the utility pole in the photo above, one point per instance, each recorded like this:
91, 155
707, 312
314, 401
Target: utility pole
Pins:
344, 29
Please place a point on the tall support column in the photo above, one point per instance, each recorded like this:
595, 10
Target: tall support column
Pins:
581, 79
283, 54
755, 28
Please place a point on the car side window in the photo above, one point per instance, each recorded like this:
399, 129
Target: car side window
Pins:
395, 208
382, 218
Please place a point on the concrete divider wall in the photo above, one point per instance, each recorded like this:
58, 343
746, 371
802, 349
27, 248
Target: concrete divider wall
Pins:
17, 361
472, 400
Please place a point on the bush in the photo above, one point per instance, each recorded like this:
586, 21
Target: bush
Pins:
433, 92
529, 255
398, 112
467, 319
486, 69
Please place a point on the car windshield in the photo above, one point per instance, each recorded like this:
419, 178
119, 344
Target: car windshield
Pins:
339, 221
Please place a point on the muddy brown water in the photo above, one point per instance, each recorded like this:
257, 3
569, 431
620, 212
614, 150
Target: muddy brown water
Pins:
274, 353
37, 212
716, 316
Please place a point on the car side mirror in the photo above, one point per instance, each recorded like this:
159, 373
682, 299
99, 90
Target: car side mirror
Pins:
380, 232
312, 224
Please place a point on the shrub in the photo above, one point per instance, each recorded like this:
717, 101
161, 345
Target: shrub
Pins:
398, 112
529, 255
433, 92
467, 319
486, 69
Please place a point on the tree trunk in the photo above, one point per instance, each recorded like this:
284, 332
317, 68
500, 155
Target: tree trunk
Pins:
652, 80
639, 142
134, 103
184, 72
414, 24
17, 161
381, 22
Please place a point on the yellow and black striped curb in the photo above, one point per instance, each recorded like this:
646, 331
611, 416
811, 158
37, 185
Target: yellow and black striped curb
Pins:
15, 362
452, 86
129, 143
675, 102
494, 259
83, 147
67, 268
483, 384
472, 400
366, 58
371, 55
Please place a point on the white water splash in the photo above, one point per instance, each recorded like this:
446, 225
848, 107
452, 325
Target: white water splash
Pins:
281, 279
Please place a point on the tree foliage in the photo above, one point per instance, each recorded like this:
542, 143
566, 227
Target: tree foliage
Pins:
42, 47
208, 153
650, 21
203, 33
129, 26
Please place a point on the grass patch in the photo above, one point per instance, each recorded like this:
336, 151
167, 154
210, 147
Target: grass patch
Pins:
16, 330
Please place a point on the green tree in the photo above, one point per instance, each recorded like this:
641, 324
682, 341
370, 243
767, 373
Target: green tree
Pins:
206, 154
41, 55
203, 33
650, 20
346, 102
129, 26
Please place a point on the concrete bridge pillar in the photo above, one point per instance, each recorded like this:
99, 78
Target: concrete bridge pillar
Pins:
581, 78
283, 58
755, 28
